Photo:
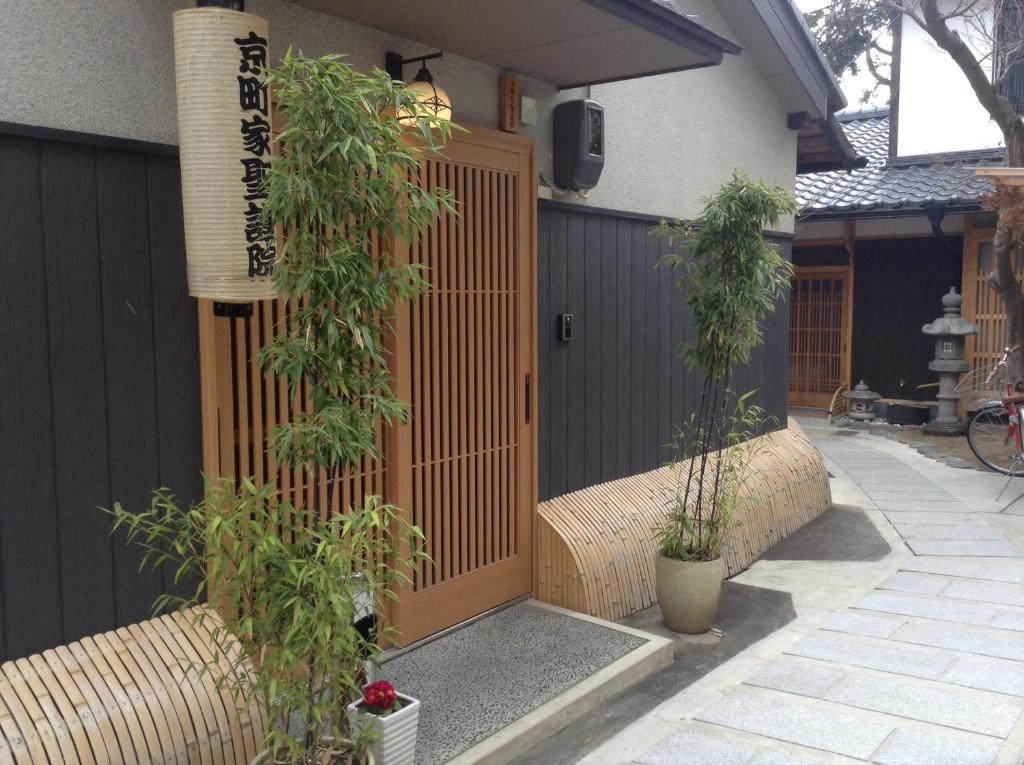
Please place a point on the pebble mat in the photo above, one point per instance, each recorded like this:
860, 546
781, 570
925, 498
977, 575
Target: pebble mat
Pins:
478, 679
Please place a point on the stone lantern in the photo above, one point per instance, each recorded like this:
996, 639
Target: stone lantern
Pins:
862, 402
949, 332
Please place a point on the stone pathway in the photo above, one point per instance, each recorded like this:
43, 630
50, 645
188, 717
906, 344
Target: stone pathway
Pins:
925, 667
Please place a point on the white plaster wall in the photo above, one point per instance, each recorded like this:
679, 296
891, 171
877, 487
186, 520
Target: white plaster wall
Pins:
937, 107
106, 67
672, 140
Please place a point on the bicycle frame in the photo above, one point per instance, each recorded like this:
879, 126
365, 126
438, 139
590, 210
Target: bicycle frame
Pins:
1012, 402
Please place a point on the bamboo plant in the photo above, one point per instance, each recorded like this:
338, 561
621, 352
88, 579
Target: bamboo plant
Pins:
731, 278
292, 579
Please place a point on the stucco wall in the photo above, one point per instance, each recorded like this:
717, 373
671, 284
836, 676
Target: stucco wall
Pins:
106, 67
673, 139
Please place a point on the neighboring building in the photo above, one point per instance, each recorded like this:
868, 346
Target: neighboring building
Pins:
875, 250
101, 374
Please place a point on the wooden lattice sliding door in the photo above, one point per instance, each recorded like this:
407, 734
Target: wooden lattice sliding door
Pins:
819, 334
464, 466
982, 304
469, 346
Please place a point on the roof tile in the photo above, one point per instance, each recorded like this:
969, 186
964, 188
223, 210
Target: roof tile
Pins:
892, 184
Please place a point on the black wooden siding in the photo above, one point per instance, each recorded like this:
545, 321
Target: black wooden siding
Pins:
898, 288
99, 373
99, 380
612, 397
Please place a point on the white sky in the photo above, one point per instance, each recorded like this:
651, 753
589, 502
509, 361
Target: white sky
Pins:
854, 86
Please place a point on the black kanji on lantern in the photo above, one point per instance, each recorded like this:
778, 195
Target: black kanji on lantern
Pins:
253, 50
255, 133
261, 259
256, 136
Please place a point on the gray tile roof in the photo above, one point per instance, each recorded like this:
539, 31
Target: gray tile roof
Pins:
904, 184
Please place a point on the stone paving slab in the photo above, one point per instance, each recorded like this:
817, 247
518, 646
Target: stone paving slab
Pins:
885, 656
782, 758
989, 592
922, 584
992, 570
928, 607
1001, 644
880, 495
796, 677
913, 747
691, 746
812, 726
967, 531
987, 674
1008, 620
936, 519
871, 625
973, 711
914, 505
981, 549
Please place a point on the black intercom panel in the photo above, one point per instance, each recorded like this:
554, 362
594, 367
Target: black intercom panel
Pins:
579, 144
566, 325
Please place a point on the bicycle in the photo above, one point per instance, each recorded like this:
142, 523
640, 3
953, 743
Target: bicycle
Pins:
994, 430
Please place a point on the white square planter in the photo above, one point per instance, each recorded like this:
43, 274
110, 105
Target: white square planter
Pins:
396, 742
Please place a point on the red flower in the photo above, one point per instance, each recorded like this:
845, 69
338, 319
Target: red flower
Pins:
380, 696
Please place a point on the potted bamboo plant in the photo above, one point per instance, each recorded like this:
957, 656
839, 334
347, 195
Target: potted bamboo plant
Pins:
731, 278
292, 580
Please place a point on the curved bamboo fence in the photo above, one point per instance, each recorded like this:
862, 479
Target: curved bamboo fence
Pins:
596, 547
128, 696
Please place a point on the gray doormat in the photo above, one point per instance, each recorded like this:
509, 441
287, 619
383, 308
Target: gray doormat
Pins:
476, 680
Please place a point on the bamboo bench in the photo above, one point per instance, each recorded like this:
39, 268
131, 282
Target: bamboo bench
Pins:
597, 546
126, 696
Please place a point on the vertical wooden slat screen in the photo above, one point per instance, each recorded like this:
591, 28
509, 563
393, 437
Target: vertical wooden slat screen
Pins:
819, 344
982, 305
471, 342
248, 405
464, 464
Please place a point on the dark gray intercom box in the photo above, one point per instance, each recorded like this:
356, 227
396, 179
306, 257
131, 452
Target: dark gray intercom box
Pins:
566, 325
579, 144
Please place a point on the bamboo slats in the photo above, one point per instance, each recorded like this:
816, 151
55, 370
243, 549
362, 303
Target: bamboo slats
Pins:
133, 695
597, 547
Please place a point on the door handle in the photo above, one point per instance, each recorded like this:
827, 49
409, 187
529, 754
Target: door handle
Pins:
529, 396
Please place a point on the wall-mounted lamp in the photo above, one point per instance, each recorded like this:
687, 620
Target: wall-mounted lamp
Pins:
432, 99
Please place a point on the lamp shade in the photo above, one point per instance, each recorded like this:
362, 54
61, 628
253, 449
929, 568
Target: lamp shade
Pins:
432, 100
224, 135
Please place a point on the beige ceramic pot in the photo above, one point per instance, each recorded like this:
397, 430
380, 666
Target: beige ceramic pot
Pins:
688, 593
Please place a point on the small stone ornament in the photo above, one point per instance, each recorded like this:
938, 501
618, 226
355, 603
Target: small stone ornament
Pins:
862, 402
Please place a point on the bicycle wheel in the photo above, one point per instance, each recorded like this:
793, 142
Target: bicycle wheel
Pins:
989, 437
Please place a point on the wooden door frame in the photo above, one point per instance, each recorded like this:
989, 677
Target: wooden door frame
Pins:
847, 272
216, 368
523, 157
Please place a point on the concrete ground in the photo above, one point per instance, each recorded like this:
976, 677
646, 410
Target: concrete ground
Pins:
914, 657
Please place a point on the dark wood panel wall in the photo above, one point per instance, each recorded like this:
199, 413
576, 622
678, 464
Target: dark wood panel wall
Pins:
99, 380
613, 396
898, 288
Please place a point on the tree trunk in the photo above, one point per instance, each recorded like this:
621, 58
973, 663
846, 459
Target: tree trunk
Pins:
1003, 113
1006, 255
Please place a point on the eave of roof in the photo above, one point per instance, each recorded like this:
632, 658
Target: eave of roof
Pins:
568, 43
897, 187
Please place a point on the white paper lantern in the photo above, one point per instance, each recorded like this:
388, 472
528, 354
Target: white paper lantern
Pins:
224, 134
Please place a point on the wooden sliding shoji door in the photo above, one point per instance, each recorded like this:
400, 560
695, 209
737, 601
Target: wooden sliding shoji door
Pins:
820, 318
982, 304
464, 359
